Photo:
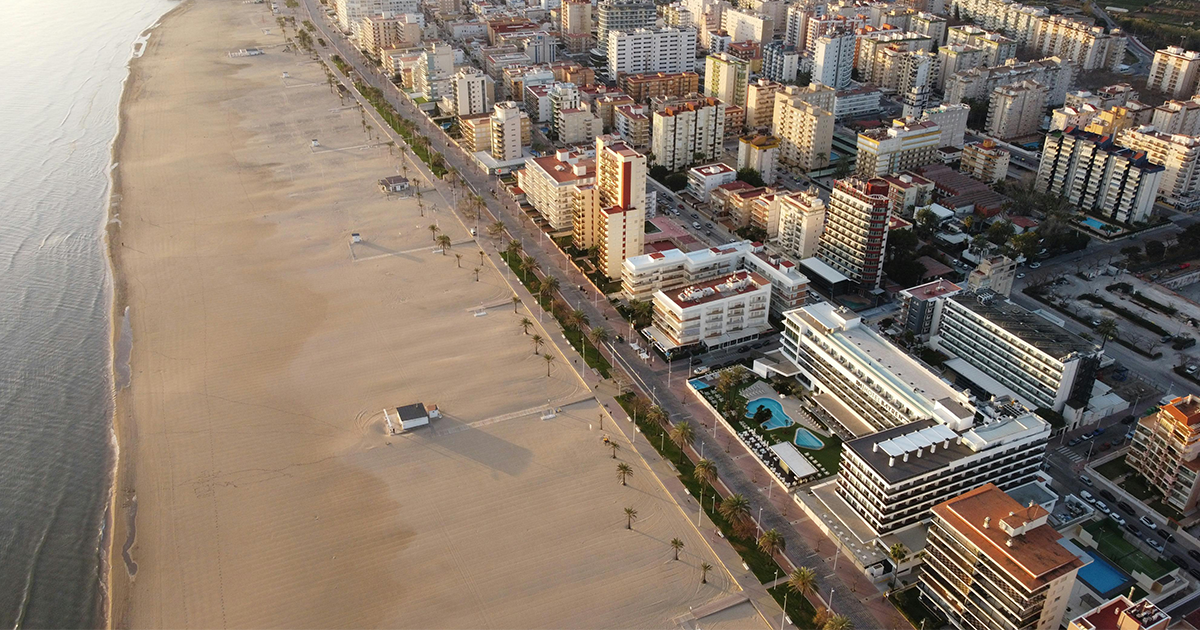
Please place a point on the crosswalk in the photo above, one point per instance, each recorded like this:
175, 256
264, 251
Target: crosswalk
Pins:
1069, 455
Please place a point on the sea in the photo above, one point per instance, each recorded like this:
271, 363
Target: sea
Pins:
60, 85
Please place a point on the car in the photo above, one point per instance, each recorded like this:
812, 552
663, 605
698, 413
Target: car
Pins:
1178, 560
1087, 436
1133, 530
1108, 496
1191, 369
697, 361
1129, 436
1087, 481
1117, 518
1104, 446
1036, 265
1165, 535
1195, 572
1075, 441
1155, 545
1145, 520
696, 224
1126, 508
708, 225
743, 349
695, 216
703, 369
1128, 420
1193, 553
1087, 496
1020, 275
1166, 338
1103, 508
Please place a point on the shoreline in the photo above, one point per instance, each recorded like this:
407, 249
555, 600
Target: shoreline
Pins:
120, 470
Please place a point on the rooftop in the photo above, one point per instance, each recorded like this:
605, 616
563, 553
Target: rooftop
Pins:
1029, 327
937, 288
709, 170
737, 283
1111, 614
1185, 409
1012, 536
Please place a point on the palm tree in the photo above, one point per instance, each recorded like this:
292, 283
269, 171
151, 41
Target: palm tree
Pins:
549, 360
630, 515
735, 508
482, 257
682, 434
676, 544
537, 341
598, 336
477, 270
1106, 329
516, 301
458, 260
433, 230
802, 581
615, 447
420, 204
513, 249
443, 241
579, 318
897, 553
495, 229
838, 622
525, 324
528, 263
705, 473
548, 287
704, 569
771, 542
624, 471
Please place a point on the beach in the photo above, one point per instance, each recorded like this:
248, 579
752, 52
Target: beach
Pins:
258, 483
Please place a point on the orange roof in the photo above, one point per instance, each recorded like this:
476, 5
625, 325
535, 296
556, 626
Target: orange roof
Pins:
1185, 410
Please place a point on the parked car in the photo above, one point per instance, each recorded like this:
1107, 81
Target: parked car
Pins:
1103, 508
1195, 572
1126, 508
1020, 275
1165, 535
1166, 338
1087, 481
1120, 520
1104, 446
1108, 496
1075, 441
1178, 560
1036, 265
1193, 553
1148, 523
697, 361
1087, 496
1155, 545
1133, 530
696, 224
703, 369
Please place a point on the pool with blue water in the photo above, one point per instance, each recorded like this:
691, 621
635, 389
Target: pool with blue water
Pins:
698, 384
807, 439
778, 420
1103, 577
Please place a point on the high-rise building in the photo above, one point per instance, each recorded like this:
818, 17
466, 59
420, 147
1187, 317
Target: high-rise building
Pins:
610, 215
379, 32
916, 72
985, 161
577, 126
805, 130
801, 222
622, 15
904, 146
633, 125
1180, 158
1175, 72
952, 119
511, 131
760, 103
996, 48
351, 12
872, 68
688, 131
1181, 117
1118, 118
549, 183
678, 16
1016, 352
745, 25
795, 23
856, 230
978, 83
726, 78
933, 26
1088, 46
434, 70
1015, 111
474, 92
759, 153
780, 62
643, 51
992, 562
833, 58
1011, 18
1095, 175
575, 27
954, 59
1165, 449
921, 307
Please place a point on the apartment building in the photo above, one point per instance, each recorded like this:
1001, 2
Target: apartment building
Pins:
867, 60
952, 120
575, 25
678, 16
1096, 175
805, 131
1122, 614
379, 32
1015, 111
915, 73
571, 72
1103, 98
856, 102
643, 87
1165, 446
743, 25
780, 62
473, 92
643, 51
475, 133
350, 13
577, 126
866, 383
703, 179
985, 161
1180, 158
1181, 117
710, 315
978, 83
921, 307
1119, 118
908, 191
610, 214
801, 222
1073, 116
992, 562
511, 131
622, 15
833, 58
516, 79
795, 23
726, 78
688, 131
549, 181
760, 103
759, 153
1013, 19
996, 48
856, 229
633, 125
956, 58
673, 269
1088, 46
435, 69
823, 24
1175, 72
904, 146
995, 274
1012, 351
933, 26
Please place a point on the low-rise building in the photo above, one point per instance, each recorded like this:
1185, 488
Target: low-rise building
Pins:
703, 179
577, 126
643, 87
906, 192
475, 133
715, 314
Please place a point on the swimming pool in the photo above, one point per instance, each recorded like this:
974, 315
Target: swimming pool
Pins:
1103, 577
778, 420
698, 384
1099, 226
806, 439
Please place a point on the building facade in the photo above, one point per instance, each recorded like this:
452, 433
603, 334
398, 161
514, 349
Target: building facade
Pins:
726, 77
718, 313
759, 153
1165, 449
833, 59
805, 131
689, 131
622, 15
904, 146
856, 230
801, 222
1015, 111
641, 51
1096, 175
1179, 156
610, 215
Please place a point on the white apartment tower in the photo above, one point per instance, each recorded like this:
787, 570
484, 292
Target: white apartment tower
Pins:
801, 222
510, 131
622, 15
1175, 72
611, 214
474, 92
1094, 174
689, 132
833, 58
1179, 156
647, 51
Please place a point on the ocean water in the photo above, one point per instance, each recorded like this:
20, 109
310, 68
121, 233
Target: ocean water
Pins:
62, 75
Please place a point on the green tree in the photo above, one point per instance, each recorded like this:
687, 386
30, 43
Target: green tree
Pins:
549, 358
1027, 244
902, 244
898, 553
736, 509
548, 287
529, 264
676, 181
771, 541
630, 516
750, 176
704, 569
705, 473
1000, 231
677, 545
496, 229
1155, 250
838, 622
1133, 253
624, 471
841, 170
537, 342
1107, 329
443, 241
597, 335
926, 222
433, 230
525, 324
682, 434
803, 581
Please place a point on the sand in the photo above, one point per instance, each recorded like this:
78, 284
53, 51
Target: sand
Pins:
267, 489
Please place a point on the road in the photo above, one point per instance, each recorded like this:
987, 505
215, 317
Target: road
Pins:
857, 598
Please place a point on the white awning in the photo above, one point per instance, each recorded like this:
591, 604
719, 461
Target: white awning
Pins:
793, 460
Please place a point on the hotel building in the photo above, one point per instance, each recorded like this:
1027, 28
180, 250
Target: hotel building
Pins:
1007, 350
1165, 449
856, 228
719, 313
1096, 175
994, 563
921, 307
